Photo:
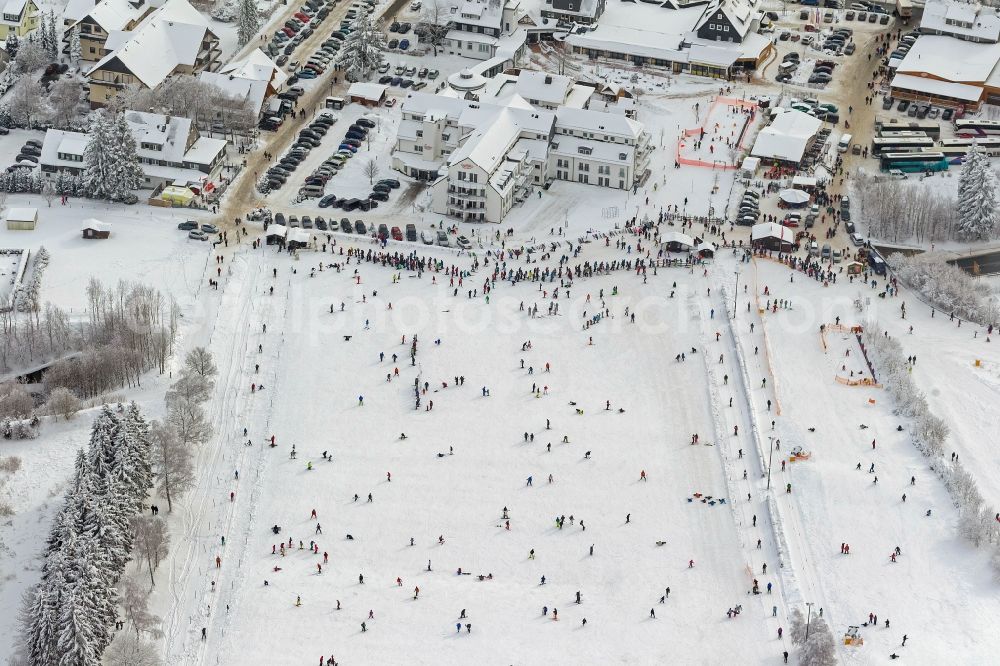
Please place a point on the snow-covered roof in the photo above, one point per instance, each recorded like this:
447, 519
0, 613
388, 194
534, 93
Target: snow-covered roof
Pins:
476, 12
22, 214
58, 142
921, 85
951, 59
277, 230
95, 225
772, 230
595, 121
76, 10
14, 7
739, 13
617, 153
205, 150
174, 32
489, 144
253, 92
117, 14
170, 133
256, 66
677, 237
544, 87
966, 21
367, 91
787, 137
641, 29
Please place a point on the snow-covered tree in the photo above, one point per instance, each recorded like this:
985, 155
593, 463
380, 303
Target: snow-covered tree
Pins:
199, 361
53, 35
112, 165
364, 49
11, 45
65, 96
977, 197
173, 461
31, 56
63, 402
248, 21
26, 99
435, 22
75, 50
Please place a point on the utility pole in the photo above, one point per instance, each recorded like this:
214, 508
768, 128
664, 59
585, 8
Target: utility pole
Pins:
737, 291
770, 456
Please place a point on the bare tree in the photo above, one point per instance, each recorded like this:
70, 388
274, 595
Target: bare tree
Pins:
63, 402
152, 541
172, 461
26, 99
371, 169
128, 650
199, 361
30, 57
15, 401
191, 388
134, 600
188, 421
48, 192
436, 20
64, 98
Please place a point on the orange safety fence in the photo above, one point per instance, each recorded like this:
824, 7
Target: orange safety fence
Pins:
864, 381
728, 101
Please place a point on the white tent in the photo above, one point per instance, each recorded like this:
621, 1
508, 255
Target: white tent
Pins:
678, 238
794, 197
277, 230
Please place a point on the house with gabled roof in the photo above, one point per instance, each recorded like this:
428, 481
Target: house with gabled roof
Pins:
176, 33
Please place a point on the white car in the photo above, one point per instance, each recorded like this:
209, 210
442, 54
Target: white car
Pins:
463, 242
427, 237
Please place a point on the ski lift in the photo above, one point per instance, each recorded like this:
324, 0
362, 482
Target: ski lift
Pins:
853, 636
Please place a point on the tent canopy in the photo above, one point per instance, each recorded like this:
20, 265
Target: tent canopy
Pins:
794, 196
679, 238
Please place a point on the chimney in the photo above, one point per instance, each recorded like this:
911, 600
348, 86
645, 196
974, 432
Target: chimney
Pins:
548, 79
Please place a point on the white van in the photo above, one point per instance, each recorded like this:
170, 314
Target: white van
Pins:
845, 143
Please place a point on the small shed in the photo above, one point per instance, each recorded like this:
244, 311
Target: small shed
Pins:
367, 94
772, 236
298, 238
749, 166
276, 234
22, 219
95, 228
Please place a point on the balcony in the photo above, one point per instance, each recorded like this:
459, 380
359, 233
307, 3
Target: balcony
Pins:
466, 193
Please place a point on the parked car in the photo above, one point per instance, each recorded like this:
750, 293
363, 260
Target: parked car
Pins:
210, 228
411, 232
345, 226
359, 227
463, 242
427, 237
442, 238
197, 235
188, 226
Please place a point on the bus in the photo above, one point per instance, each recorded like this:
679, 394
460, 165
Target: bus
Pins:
890, 144
904, 8
953, 154
989, 146
915, 162
977, 127
894, 129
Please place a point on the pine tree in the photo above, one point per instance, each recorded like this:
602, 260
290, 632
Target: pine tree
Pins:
53, 35
11, 45
977, 197
364, 49
45, 36
75, 51
248, 20
78, 644
128, 172
98, 176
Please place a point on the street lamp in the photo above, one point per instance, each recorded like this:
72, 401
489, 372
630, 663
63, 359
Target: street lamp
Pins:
736, 292
808, 617
770, 455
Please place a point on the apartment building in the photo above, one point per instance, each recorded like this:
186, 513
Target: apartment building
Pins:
100, 20
485, 157
173, 39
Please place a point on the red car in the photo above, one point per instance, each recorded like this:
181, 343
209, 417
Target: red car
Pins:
302, 17
397, 234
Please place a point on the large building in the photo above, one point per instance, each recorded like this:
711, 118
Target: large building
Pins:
19, 18
584, 12
482, 29
254, 80
718, 39
170, 151
173, 39
96, 22
486, 152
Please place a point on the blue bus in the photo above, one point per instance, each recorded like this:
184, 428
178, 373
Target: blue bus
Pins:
913, 162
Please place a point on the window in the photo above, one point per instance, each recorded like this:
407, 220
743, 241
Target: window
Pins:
583, 178
474, 177
622, 156
151, 146
70, 157
461, 175
420, 133
585, 150
621, 173
417, 148
725, 28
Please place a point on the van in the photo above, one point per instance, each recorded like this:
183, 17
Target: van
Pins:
442, 238
827, 251
311, 191
876, 262
857, 239
844, 144
814, 248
